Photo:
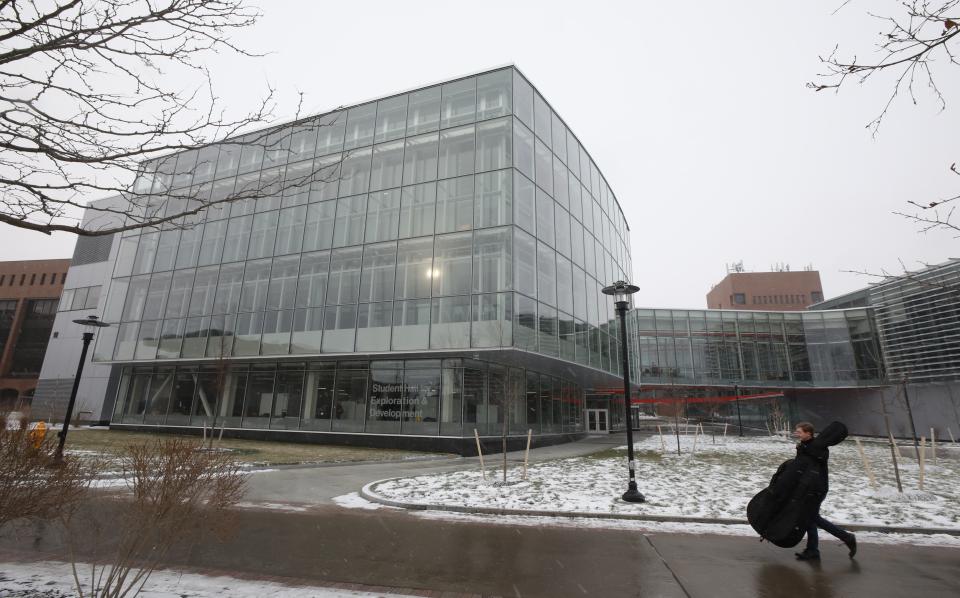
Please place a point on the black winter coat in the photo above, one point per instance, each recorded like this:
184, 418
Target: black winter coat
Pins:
781, 513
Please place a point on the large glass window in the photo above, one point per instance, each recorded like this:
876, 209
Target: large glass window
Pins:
350, 400
386, 398
494, 199
288, 397
344, 275
256, 281
211, 248
525, 263
525, 204
546, 230
374, 321
189, 250
326, 180
318, 400
157, 296
417, 210
494, 92
564, 285
411, 325
259, 396
276, 332
562, 218
494, 150
263, 235
420, 159
283, 282
457, 151
546, 275
147, 340
166, 250
451, 401
391, 118
450, 327
455, 204
180, 293
228, 289
522, 99
204, 288
424, 111
307, 331
330, 133
136, 297
312, 287
492, 321
349, 226
387, 171
525, 329
361, 122
318, 229
549, 343
355, 172
290, 230
458, 102
542, 119
544, 167
339, 328
561, 186
383, 216
376, 282
238, 237
451, 268
492, 260
414, 268
421, 406
146, 252
523, 152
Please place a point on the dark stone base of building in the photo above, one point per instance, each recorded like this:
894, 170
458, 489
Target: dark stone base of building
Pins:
466, 446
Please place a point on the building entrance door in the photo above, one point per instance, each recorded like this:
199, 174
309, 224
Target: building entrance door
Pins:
597, 421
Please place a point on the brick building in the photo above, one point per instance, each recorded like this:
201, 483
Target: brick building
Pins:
768, 291
29, 295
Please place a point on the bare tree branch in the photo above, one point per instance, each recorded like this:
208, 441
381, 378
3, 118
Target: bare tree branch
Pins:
88, 110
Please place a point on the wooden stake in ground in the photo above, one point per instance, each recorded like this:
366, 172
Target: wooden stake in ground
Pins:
663, 444
220, 437
696, 435
205, 431
866, 464
933, 445
893, 451
526, 455
725, 430
952, 439
483, 469
922, 454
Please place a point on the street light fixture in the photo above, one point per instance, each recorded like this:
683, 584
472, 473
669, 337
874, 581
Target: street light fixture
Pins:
93, 322
621, 292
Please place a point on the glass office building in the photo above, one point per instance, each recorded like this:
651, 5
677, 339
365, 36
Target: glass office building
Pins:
829, 349
426, 265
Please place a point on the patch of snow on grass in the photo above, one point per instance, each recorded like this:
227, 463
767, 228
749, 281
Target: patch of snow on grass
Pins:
716, 481
355, 501
49, 579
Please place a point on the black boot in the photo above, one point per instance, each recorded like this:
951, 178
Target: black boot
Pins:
851, 543
808, 555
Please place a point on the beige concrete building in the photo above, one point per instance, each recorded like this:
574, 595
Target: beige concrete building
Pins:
773, 291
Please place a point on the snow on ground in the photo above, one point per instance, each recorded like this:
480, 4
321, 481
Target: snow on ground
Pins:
355, 501
715, 481
49, 579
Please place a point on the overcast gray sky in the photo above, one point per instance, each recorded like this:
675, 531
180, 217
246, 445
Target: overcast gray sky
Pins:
698, 118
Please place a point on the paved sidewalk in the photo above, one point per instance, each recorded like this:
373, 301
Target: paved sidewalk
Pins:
316, 485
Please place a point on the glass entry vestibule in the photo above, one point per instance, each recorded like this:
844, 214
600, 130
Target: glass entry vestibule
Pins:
597, 421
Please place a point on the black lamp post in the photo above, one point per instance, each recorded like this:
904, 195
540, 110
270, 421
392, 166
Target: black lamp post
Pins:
94, 322
621, 292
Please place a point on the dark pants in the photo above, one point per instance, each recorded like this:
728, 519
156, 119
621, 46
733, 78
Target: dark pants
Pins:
818, 521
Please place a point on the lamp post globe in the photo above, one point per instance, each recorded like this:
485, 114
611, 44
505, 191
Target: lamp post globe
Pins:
90, 322
621, 291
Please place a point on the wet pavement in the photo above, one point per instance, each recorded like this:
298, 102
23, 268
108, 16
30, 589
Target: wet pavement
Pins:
397, 549
408, 552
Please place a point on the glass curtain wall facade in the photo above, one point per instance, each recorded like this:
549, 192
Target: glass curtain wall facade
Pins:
769, 349
460, 217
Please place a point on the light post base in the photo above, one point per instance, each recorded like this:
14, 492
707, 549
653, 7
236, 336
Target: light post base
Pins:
632, 494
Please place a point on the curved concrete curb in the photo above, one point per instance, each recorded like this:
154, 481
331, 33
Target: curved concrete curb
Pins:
368, 492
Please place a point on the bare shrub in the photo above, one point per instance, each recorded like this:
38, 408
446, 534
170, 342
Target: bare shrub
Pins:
32, 483
178, 492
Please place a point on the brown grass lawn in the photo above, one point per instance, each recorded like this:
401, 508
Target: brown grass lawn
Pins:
113, 442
